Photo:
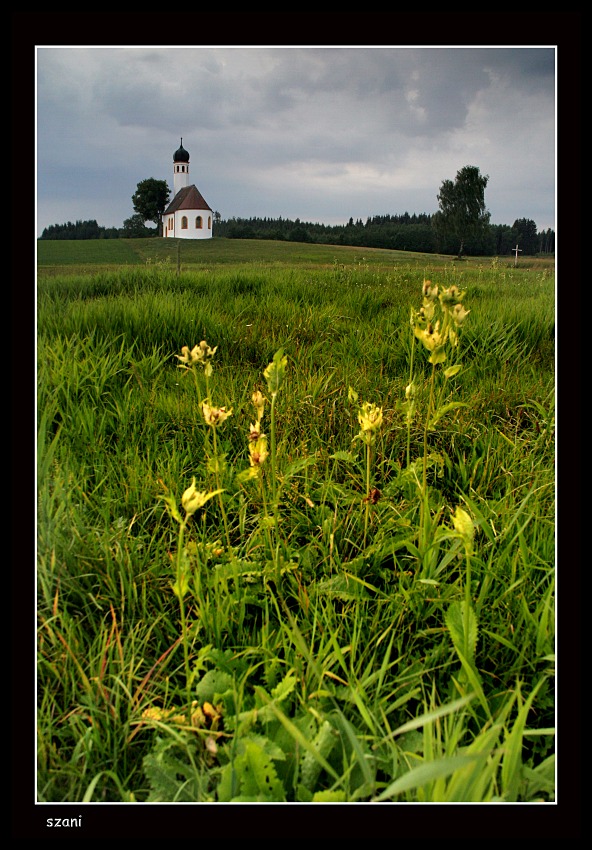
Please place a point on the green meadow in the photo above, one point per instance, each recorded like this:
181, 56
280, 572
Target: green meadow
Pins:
296, 524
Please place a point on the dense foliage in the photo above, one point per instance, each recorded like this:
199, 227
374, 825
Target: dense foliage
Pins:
462, 212
150, 200
395, 232
80, 230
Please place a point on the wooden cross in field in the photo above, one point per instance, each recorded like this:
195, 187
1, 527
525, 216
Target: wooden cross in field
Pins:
516, 249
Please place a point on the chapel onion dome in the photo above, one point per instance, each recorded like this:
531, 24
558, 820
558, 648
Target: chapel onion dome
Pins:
181, 155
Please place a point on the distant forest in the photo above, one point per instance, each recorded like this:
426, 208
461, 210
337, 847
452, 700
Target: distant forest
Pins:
397, 232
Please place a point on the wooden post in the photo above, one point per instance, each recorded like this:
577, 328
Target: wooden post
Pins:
516, 249
178, 257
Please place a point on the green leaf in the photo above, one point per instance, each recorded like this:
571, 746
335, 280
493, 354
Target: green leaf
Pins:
181, 587
171, 506
424, 774
540, 779
429, 716
275, 372
456, 624
348, 457
452, 371
340, 586
313, 759
251, 777
329, 797
171, 773
297, 466
285, 688
216, 465
442, 411
247, 474
214, 683
512, 768
438, 355
302, 740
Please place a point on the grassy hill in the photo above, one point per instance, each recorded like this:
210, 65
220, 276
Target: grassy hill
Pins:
72, 256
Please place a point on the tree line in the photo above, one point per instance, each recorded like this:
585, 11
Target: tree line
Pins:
80, 230
461, 225
396, 232
404, 232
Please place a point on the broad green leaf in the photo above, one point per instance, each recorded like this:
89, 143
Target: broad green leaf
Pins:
452, 371
181, 586
329, 797
285, 688
275, 372
251, 777
442, 411
215, 682
456, 624
438, 355
348, 457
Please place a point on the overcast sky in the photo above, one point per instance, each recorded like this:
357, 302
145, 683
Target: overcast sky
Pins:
316, 133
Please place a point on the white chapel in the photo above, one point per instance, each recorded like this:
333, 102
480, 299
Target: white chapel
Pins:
187, 216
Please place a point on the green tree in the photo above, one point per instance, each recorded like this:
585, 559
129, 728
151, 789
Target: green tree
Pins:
150, 200
135, 227
462, 212
526, 235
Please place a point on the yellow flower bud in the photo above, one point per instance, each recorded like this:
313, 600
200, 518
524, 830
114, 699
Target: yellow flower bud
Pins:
259, 402
459, 314
187, 357
205, 352
193, 499
463, 524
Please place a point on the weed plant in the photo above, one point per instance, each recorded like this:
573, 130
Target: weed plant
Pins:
293, 546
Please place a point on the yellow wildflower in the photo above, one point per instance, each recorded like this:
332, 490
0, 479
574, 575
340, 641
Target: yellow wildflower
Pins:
431, 336
201, 354
370, 417
214, 416
258, 453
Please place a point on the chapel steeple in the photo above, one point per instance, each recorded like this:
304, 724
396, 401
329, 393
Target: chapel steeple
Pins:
180, 168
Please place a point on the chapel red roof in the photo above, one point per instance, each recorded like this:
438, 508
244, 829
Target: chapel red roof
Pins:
188, 198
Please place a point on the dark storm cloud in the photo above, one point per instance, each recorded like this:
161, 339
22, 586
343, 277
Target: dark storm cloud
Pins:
325, 133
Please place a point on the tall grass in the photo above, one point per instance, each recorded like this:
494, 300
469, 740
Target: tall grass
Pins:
306, 621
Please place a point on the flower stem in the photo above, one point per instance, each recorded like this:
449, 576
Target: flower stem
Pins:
217, 473
467, 604
180, 584
411, 363
273, 454
425, 502
368, 467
